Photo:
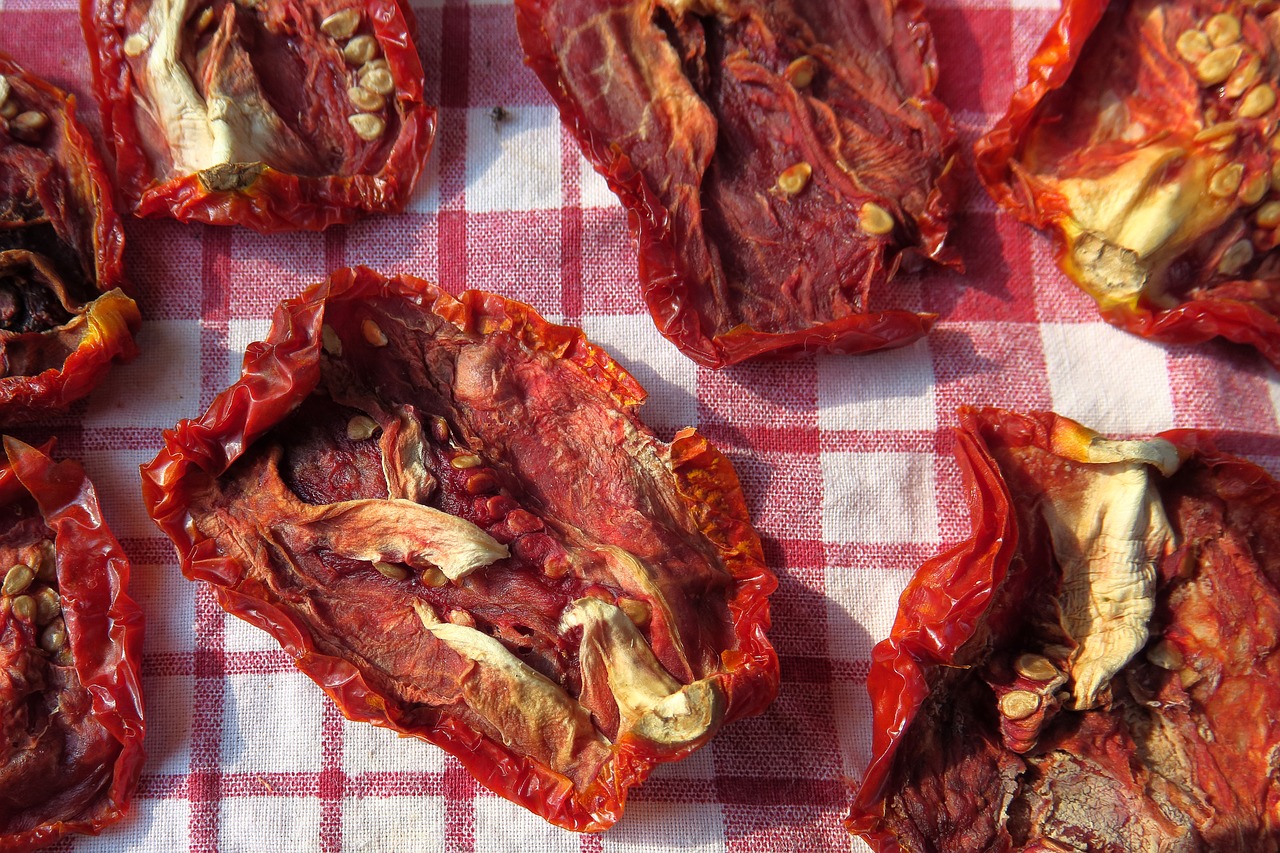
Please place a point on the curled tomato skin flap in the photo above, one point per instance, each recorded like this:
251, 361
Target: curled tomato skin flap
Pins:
778, 161
1094, 667
276, 115
71, 644
1144, 141
64, 314
448, 513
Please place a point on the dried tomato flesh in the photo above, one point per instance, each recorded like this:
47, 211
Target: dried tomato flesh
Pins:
64, 317
277, 114
983, 740
448, 513
1144, 142
70, 648
777, 159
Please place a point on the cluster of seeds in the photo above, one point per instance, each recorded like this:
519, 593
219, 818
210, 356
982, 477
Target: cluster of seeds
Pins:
23, 125
374, 80
31, 593
1220, 59
1030, 700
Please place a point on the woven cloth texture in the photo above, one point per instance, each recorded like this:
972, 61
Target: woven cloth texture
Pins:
846, 461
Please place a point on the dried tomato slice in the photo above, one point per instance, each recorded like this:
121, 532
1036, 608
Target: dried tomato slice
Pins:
449, 515
63, 315
273, 114
1144, 141
778, 160
1095, 667
70, 648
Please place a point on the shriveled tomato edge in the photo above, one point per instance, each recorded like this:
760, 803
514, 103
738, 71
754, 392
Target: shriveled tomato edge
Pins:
939, 611
663, 278
113, 316
1194, 321
112, 320
104, 625
278, 376
276, 201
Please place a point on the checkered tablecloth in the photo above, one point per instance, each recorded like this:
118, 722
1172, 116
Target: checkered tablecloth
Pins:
846, 461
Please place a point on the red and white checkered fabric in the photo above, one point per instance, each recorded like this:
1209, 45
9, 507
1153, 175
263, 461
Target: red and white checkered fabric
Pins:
846, 461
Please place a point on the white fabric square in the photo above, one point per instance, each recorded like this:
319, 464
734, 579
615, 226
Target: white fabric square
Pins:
670, 377
885, 390
378, 824
151, 825
116, 480
255, 824
1107, 379
168, 600
160, 387
879, 497
271, 724
853, 723
593, 189
241, 333
369, 748
425, 197
504, 827
861, 607
168, 741
240, 636
691, 827
518, 169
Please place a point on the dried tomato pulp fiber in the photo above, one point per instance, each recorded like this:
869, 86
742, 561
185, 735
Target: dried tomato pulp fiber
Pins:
275, 114
70, 645
1095, 668
1145, 141
63, 316
449, 514
777, 159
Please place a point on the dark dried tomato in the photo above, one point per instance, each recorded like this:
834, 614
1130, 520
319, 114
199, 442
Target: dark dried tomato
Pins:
1096, 668
1145, 141
274, 114
63, 315
778, 160
71, 722
449, 515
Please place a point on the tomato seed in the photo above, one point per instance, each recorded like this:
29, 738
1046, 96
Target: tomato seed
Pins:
17, 579
1218, 65
1036, 667
54, 637
1223, 29
1255, 188
24, 607
874, 219
391, 571
1193, 45
1019, 704
801, 71
1165, 655
360, 50
465, 460
342, 24
1258, 102
1243, 77
1234, 258
366, 100
1268, 216
373, 333
795, 178
136, 45
29, 126
377, 78
330, 341
361, 427
48, 605
367, 127
1226, 180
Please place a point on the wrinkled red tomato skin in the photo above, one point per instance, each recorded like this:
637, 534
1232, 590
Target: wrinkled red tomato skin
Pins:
1193, 321
281, 373
277, 201
669, 284
24, 398
104, 626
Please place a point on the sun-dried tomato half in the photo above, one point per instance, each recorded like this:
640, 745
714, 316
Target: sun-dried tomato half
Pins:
778, 160
71, 722
63, 315
1096, 668
1145, 141
273, 114
448, 513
